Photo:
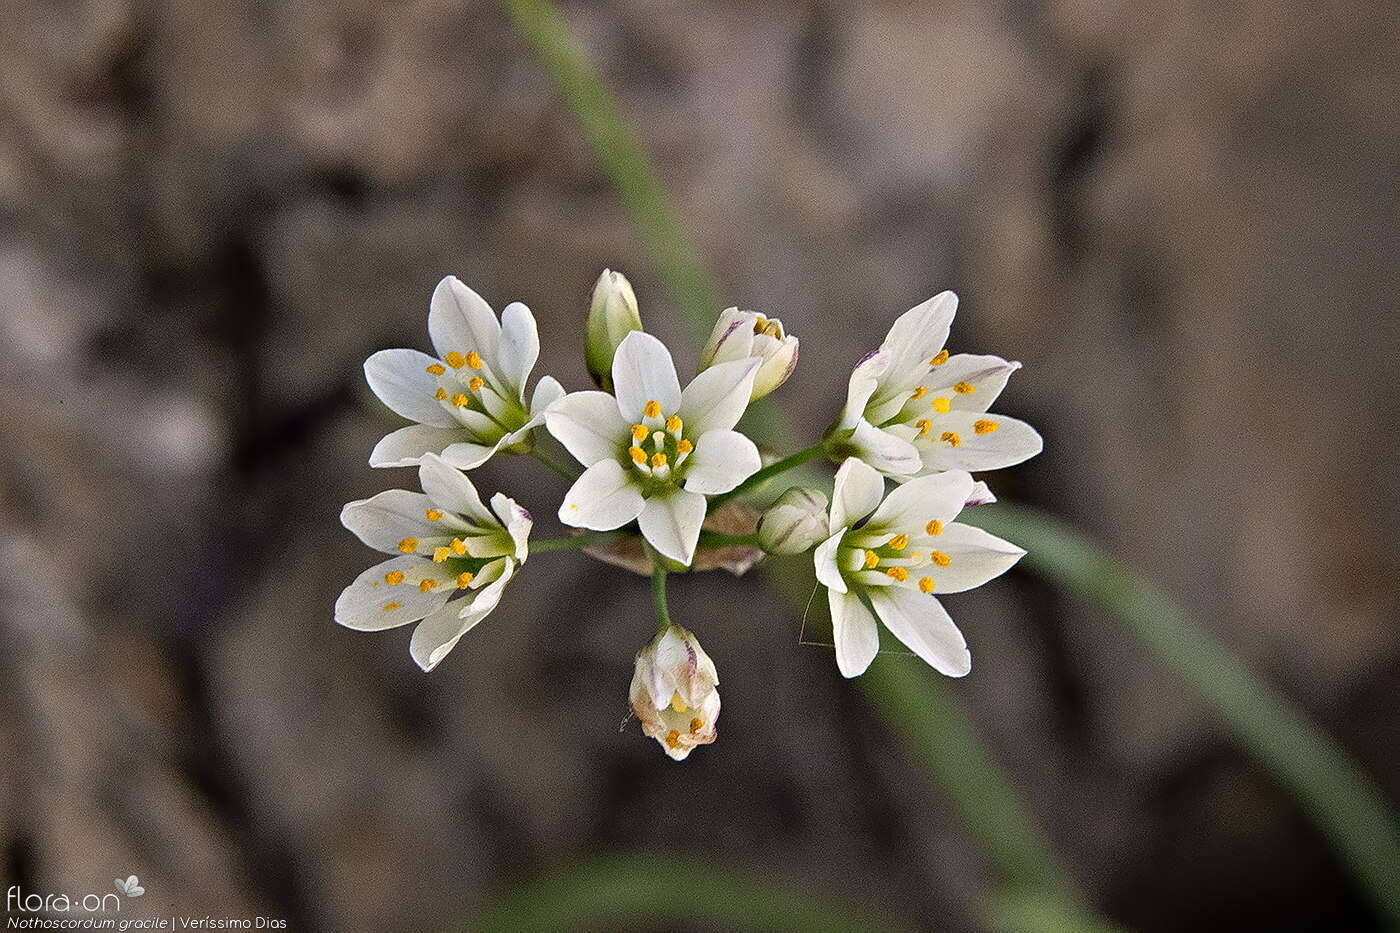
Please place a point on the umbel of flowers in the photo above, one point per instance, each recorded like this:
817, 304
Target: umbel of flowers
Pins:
660, 466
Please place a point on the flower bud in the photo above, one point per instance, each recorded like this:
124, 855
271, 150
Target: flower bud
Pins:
612, 316
740, 335
674, 692
794, 523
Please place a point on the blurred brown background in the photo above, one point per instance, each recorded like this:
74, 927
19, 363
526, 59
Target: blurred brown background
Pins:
1181, 217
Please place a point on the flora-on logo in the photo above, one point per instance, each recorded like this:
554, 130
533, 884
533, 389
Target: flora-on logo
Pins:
131, 887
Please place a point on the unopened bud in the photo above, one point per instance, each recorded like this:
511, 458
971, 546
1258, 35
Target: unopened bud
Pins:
795, 522
742, 335
674, 692
612, 316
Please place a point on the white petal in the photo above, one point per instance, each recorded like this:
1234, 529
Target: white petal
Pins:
401, 380
363, 605
469, 456
720, 461
671, 523
919, 501
1012, 442
731, 338
716, 399
460, 320
865, 379
450, 489
828, 571
382, 521
923, 625
885, 451
855, 633
588, 425
917, 335
518, 522
406, 446
981, 495
547, 392
643, 372
605, 497
520, 346
439, 633
977, 557
986, 375
856, 493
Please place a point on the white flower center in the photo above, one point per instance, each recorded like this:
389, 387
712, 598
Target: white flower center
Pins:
911, 559
659, 447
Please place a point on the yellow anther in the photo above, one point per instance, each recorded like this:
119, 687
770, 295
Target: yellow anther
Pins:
441, 554
474, 360
459, 547
759, 322
696, 725
678, 703
934, 528
772, 329
940, 359
942, 405
390, 607
899, 573
640, 432
872, 560
984, 426
684, 446
432, 515
455, 360
393, 577
464, 580
952, 438
408, 545
437, 369
941, 559
673, 423
427, 586
440, 394
673, 739
475, 383
652, 409
926, 584
658, 460
899, 542
964, 388
920, 392
460, 400
924, 425
638, 455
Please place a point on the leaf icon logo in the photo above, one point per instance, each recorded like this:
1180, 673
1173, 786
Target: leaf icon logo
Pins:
131, 887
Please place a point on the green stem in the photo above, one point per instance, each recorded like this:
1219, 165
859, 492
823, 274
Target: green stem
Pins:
767, 473
658, 591
573, 542
563, 469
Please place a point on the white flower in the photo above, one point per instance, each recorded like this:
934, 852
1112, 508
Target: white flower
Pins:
912, 409
447, 543
674, 692
794, 522
652, 452
612, 315
891, 565
743, 334
469, 400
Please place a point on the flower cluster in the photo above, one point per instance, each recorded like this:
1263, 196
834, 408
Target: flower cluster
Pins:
659, 466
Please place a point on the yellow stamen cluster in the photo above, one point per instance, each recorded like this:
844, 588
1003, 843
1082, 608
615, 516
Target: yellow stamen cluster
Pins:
427, 586
475, 383
920, 392
964, 388
459, 547
898, 573
934, 528
952, 438
899, 542
464, 580
673, 423
652, 409
984, 426
390, 607
408, 545
437, 369
924, 425
455, 360
441, 554
926, 584
640, 432
696, 725
941, 559
637, 454
942, 405
940, 359
440, 394
678, 703
432, 515
393, 577
460, 400
474, 360
658, 460
684, 446
673, 739
872, 560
